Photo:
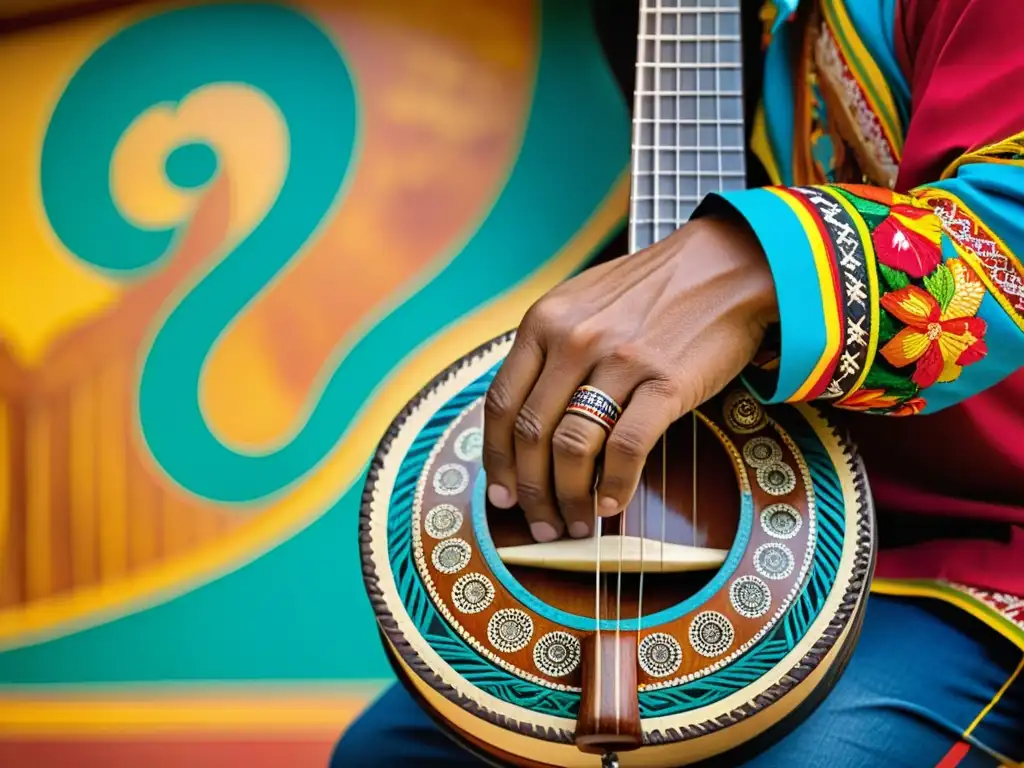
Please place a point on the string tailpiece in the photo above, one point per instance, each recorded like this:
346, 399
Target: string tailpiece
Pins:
609, 716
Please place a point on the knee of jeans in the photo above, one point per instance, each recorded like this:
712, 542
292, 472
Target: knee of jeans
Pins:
346, 747
355, 743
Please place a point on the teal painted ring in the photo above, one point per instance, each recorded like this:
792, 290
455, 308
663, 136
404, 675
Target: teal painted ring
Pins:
485, 544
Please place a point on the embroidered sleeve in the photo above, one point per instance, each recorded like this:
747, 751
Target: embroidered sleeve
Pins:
891, 303
909, 303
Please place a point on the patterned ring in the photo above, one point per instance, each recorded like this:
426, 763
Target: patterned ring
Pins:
743, 413
776, 479
782, 521
510, 630
660, 654
451, 480
442, 521
774, 561
451, 555
711, 634
591, 403
762, 451
750, 597
472, 593
557, 654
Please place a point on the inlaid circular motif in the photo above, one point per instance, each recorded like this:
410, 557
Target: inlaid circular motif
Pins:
782, 521
711, 634
776, 479
451, 555
472, 593
750, 597
510, 630
442, 521
660, 654
451, 479
469, 444
774, 561
557, 654
743, 413
762, 451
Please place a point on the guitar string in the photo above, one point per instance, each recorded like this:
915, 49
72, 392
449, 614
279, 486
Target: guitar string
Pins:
598, 523
645, 7
618, 621
643, 551
642, 489
597, 600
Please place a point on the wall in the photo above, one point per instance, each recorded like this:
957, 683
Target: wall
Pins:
236, 239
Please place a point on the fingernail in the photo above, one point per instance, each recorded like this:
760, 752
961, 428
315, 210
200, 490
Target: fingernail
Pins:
543, 532
500, 496
609, 505
579, 530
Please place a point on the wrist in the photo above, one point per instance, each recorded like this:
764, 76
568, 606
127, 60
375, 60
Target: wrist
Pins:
733, 241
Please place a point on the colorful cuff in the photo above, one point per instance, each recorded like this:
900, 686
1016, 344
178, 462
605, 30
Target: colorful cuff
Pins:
820, 255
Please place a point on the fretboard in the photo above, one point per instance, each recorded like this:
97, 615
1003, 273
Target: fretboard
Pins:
687, 112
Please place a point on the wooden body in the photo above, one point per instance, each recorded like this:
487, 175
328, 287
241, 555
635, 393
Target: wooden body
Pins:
508, 655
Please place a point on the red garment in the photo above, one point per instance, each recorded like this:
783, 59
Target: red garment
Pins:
966, 461
894, 227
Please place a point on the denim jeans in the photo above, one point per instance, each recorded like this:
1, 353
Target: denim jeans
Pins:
917, 693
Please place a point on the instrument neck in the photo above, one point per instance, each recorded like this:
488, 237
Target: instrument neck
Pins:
688, 137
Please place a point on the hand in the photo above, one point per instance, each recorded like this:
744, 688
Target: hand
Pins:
660, 331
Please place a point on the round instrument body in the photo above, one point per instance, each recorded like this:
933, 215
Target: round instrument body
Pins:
494, 649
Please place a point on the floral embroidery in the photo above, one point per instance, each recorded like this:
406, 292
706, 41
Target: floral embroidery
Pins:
928, 324
942, 333
905, 231
909, 240
874, 194
877, 401
992, 260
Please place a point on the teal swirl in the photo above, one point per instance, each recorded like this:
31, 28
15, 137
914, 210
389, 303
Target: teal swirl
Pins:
161, 60
569, 160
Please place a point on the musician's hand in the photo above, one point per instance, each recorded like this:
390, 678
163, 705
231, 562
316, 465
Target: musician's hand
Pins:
659, 331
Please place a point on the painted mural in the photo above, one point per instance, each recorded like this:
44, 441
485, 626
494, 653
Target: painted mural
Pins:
236, 238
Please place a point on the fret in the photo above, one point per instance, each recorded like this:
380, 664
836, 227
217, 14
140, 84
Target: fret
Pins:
687, 112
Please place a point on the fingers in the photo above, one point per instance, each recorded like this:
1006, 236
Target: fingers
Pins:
652, 408
505, 397
576, 446
534, 432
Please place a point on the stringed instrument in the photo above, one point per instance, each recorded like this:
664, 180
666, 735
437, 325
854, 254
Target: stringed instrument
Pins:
717, 609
